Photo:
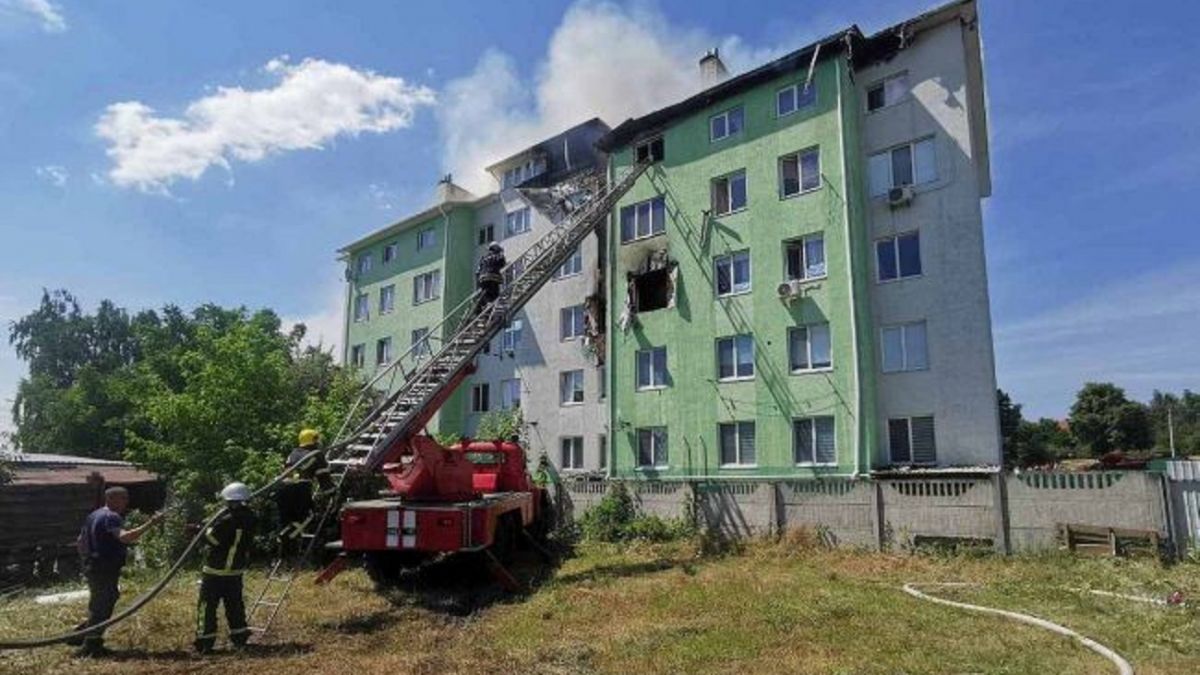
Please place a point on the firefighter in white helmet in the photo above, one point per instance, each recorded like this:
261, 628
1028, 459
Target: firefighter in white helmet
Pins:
229, 540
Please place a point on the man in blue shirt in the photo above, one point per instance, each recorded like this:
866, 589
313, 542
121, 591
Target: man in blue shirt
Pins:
102, 543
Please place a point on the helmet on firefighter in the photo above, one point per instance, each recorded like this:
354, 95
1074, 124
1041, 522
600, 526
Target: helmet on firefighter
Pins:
236, 492
309, 438
494, 247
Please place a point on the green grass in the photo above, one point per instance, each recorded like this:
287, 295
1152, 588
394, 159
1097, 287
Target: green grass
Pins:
773, 608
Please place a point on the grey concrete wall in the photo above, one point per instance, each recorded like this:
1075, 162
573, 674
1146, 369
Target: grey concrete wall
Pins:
938, 507
951, 295
843, 512
1038, 502
737, 508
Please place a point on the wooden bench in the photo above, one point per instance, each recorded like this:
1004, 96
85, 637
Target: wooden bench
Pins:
1111, 541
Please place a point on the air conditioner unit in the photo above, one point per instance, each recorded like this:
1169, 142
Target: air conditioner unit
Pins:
900, 196
790, 290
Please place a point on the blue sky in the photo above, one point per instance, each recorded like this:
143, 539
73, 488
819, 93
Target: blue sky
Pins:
156, 151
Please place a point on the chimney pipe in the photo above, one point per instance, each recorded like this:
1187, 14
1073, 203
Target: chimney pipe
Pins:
712, 69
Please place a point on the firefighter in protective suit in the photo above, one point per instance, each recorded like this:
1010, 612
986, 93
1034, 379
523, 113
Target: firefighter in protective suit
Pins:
229, 540
308, 473
489, 277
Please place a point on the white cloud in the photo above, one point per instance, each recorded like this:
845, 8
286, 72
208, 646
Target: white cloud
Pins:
603, 60
312, 103
1137, 332
45, 11
56, 174
326, 322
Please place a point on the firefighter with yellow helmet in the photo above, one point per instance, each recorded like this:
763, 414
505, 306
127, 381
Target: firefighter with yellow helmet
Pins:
308, 479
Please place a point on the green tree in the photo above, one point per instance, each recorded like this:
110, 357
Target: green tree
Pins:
1010, 424
1103, 419
1184, 415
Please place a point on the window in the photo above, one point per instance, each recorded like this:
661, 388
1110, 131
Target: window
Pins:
888, 92
387, 299
516, 222
904, 348
383, 351
910, 164
364, 263
510, 394
725, 124
487, 234
481, 398
571, 452
729, 193
733, 273
571, 322
603, 383
790, 99
522, 172
737, 443
799, 172
427, 286
389, 253
573, 265
808, 348
362, 307
899, 257
644, 219
511, 336
358, 356
514, 269
649, 151
813, 441
420, 343
911, 440
652, 447
570, 387
804, 258
735, 357
426, 238
652, 368
603, 454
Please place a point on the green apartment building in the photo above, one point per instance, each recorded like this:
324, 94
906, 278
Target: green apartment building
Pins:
795, 288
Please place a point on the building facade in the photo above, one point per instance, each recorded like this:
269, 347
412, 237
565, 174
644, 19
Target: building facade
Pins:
796, 287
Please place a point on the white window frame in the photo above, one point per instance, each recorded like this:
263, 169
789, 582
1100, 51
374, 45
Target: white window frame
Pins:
571, 387
649, 146
883, 84
730, 260
637, 220
737, 435
362, 307
895, 241
510, 337
736, 353
572, 267
510, 394
364, 263
813, 440
803, 243
419, 342
570, 453
728, 180
799, 156
660, 452
878, 192
384, 358
387, 299
726, 114
481, 397
572, 323
518, 222
486, 234
795, 91
389, 252
426, 238
657, 380
358, 355
427, 287
908, 423
808, 347
904, 329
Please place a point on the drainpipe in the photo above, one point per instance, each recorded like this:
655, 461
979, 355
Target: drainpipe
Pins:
850, 277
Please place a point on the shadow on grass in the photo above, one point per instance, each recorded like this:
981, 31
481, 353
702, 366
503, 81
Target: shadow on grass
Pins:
253, 651
606, 572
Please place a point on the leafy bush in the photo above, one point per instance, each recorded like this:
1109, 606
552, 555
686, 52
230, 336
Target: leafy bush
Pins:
616, 519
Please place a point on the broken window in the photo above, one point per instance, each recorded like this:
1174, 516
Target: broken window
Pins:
804, 258
729, 193
649, 151
651, 288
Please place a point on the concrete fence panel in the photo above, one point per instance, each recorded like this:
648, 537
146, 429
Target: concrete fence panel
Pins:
736, 508
842, 511
937, 508
662, 499
1039, 502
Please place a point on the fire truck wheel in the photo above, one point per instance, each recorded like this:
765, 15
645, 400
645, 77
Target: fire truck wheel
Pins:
385, 567
505, 541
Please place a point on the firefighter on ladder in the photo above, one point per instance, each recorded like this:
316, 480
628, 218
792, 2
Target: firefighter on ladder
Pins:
229, 539
489, 277
307, 469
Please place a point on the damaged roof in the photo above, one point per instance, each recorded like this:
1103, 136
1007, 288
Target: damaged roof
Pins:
863, 51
